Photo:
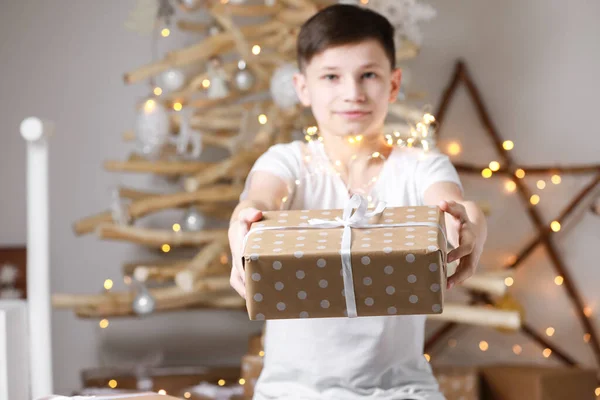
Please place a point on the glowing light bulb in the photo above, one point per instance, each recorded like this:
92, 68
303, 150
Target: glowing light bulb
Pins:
517, 349
162, 392
555, 226
550, 331
510, 186
157, 91
587, 337
165, 32
534, 199
256, 49
261, 353
103, 323
587, 311
176, 227
509, 281
541, 184
427, 357
187, 395
555, 179
166, 248
112, 383
559, 280
520, 173
454, 148
221, 382
108, 284
494, 166
483, 345
242, 381
486, 173
205, 83
547, 352
149, 106
262, 119
177, 106
508, 145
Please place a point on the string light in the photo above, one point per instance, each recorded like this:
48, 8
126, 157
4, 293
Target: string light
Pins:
221, 382
166, 248
558, 280
224, 259
205, 83
509, 281
149, 106
534, 199
587, 311
364, 2
541, 184
486, 173
550, 331
427, 357
483, 345
597, 391
177, 106
103, 323
547, 352
256, 49
494, 166
454, 148
162, 391
108, 284
555, 226
555, 179
262, 119
520, 173
508, 145
112, 383
517, 349
165, 32
187, 395
510, 186
261, 353
242, 381
587, 337
157, 91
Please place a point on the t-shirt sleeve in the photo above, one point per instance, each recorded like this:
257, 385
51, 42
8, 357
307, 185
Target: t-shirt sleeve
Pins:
433, 167
280, 160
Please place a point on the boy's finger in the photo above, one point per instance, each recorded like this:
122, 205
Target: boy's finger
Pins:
455, 209
250, 215
459, 252
237, 284
463, 272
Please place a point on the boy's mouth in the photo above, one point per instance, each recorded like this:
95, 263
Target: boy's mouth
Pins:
353, 114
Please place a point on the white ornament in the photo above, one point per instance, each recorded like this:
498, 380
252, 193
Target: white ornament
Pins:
187, 136
8, 274
193, 220
244, 80
282, 86
172, 79
218, 79
152, 126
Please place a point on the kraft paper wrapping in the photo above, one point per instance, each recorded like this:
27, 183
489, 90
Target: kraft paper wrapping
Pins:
294, 269
458, 383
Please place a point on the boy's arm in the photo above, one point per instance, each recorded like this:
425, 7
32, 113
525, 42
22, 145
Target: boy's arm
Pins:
466, 226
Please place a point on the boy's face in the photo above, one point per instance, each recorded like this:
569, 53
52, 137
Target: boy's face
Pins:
349, 88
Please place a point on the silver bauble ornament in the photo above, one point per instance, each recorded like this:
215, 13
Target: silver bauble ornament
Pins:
172, 79
193, 220
282, 86
143, 303
152, 126
244, 80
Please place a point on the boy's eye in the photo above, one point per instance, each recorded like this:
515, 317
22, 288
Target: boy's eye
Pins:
330, 77
369, 75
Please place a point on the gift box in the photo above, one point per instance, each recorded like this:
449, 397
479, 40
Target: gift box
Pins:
458, 383
128, 396
255, 344
346, 263
538, 383
252, 366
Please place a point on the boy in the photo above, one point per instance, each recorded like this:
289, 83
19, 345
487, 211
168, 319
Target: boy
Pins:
348, 77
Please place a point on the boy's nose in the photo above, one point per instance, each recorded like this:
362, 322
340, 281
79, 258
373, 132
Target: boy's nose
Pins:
354, 91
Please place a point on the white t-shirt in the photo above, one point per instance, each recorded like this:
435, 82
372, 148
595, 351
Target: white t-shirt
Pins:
375, 358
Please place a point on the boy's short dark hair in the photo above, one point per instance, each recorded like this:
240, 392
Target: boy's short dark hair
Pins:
342, 24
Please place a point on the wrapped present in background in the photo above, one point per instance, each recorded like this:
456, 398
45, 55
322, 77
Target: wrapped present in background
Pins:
251, 368
346, 263
458, 383
538, 383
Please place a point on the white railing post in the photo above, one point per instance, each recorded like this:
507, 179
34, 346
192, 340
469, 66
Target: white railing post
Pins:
36, 132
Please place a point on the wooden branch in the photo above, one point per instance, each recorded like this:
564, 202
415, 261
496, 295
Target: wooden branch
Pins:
191, 26
530, 170
529, 331
159, 237
477, 315
167, 273
169, 168
196, 269
240, 162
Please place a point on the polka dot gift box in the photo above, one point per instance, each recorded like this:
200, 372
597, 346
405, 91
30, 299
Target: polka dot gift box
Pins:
346, 263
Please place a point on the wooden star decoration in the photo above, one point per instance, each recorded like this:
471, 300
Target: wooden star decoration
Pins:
510, 168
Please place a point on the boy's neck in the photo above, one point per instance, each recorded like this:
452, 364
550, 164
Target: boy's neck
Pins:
339, 148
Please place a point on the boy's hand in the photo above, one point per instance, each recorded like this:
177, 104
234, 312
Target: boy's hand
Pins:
237, 232
469, 248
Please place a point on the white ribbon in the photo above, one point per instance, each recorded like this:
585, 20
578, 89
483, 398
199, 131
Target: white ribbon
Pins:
357, 219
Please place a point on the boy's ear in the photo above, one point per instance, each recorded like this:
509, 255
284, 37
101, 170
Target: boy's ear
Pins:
301, 88
395, 86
